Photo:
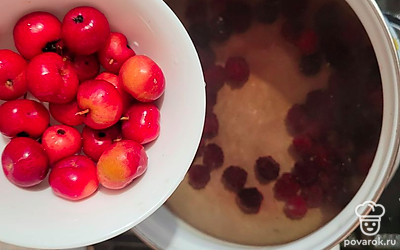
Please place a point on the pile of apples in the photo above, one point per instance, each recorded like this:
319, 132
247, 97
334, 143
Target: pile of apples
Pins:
108, 116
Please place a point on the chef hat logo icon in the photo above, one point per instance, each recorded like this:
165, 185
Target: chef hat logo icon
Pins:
370, 223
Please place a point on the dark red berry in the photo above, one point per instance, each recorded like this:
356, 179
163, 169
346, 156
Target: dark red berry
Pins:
307, 42
375, 98
295, 208
291, 30
317, 97
339, 194
352, 34
239, 15
305, 172
313, 195
364, 161
286, 187
337, 83
321, 156
196, 11
218, 6
215, 77
346, 166
220, 29
328, 180
319, 105
337, 53
369, 71
303, 145
211, 125
200, 34
267, 169
234, 178
294, 8
328, 19
199, 176
267, 11
213, 156
237, 70
315, 129
344, 196
249, 200
310, 65
363, 125
200, 149
207, 56
297, 119
211, 99
341, 146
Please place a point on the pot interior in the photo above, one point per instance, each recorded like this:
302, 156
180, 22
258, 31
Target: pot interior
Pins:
294, 119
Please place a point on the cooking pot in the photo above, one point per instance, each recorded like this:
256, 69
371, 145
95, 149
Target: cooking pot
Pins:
163, 230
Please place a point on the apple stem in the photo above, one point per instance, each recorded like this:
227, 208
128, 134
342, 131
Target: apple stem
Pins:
124, 118
83, 112
9, 83
111, 61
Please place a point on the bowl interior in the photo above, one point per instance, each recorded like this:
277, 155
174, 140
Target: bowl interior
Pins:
37, 218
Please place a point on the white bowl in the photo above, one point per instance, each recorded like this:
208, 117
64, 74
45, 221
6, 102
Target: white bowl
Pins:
39, 219
164, 230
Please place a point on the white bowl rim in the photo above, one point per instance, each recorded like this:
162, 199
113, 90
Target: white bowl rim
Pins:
195, 136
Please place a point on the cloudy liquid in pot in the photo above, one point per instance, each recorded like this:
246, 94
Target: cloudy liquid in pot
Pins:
312, 102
